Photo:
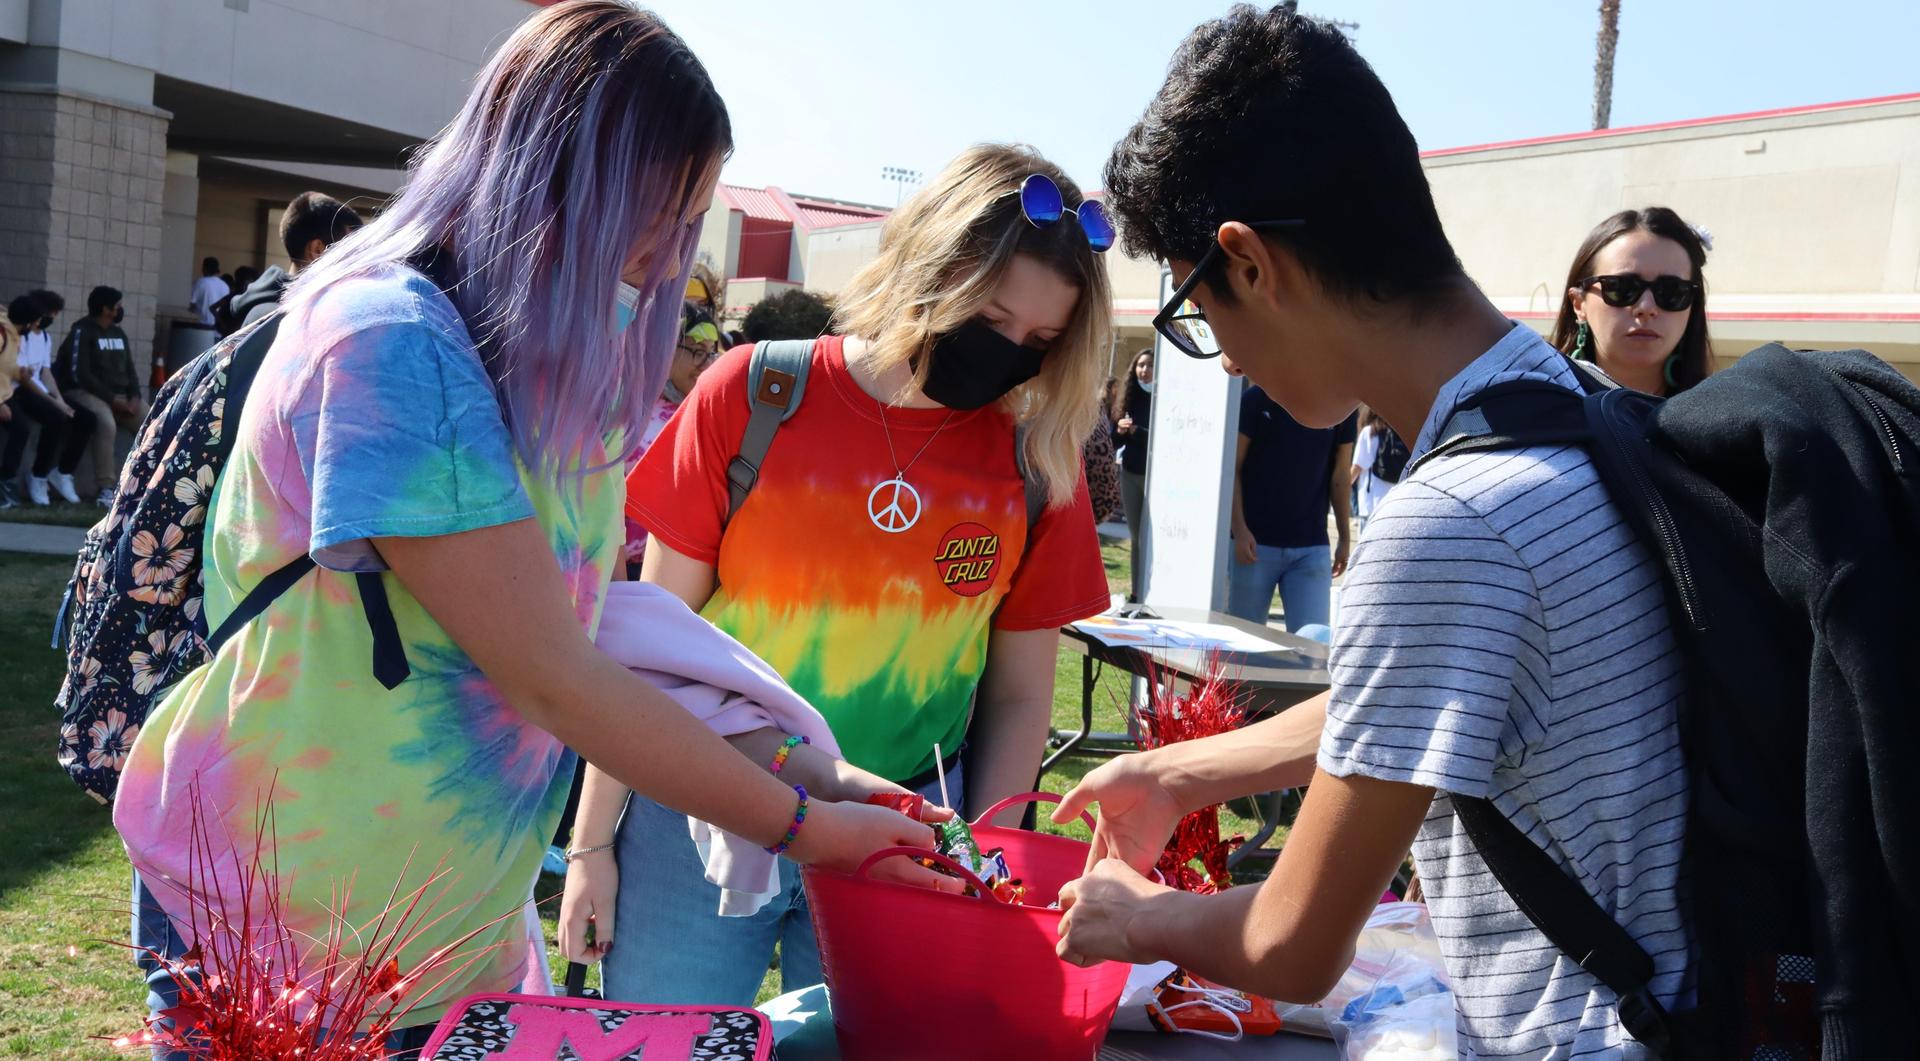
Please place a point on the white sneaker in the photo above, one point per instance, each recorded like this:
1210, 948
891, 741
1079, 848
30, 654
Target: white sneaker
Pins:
37, 491
63, 485
105, 500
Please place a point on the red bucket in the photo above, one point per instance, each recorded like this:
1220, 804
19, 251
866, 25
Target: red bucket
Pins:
921, 974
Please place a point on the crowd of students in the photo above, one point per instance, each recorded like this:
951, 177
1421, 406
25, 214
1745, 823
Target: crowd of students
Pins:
440, 411
79, 394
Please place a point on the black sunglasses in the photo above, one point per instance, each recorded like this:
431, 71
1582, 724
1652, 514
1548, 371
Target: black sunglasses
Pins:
1670, 293
1180, 322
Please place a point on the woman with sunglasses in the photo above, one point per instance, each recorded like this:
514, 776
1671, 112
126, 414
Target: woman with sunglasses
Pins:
883, 561
1636, 302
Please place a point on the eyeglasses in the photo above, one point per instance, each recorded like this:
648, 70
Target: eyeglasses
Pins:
699, 355
1181, 322
1041, 202
1670, 293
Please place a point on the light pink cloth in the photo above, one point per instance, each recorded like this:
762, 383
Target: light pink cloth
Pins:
654, 634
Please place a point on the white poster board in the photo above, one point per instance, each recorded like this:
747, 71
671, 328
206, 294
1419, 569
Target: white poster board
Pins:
1196, 416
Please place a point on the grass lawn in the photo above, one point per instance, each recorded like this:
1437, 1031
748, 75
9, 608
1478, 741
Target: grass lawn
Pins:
64, 879
59, 513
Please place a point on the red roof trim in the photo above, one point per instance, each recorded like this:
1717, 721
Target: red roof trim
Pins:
753, 202
1685, 123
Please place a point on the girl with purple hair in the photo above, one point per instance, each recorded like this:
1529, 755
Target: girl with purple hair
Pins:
449, 405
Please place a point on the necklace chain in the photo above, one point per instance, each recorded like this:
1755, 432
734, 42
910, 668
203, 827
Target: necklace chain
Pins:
900, 472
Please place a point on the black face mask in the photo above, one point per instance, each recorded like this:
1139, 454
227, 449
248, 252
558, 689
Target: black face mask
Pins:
119, 314
974, 366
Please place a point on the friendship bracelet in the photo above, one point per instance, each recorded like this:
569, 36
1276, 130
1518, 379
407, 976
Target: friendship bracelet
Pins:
799, 819
786, 749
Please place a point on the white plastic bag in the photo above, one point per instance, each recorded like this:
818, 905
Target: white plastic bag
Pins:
1407, 1015
1392, 929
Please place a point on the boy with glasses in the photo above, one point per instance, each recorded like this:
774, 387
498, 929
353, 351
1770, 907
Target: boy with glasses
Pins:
1503, 634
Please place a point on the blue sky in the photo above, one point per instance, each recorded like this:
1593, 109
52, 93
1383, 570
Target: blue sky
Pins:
825, 92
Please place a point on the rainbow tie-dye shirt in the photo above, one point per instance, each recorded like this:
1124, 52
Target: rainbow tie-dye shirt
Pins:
372, 416
886, 632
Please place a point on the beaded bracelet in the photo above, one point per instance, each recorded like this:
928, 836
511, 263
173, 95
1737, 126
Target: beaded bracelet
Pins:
786, 749
799, 819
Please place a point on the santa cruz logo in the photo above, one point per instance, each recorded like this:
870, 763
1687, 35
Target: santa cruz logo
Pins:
968, 557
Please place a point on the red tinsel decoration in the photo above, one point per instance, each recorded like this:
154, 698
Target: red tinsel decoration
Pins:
1210, 706
251, 989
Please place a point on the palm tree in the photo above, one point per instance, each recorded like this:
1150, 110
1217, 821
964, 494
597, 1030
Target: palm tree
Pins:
1604, 46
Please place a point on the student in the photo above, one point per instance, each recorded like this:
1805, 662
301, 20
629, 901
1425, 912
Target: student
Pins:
696, 348
207, 291
1379, 460
883, 562
1101, 460
64, 429
1503, 633
1132, 420
1636, 302
13, 429
1283, 487
96, 368
440, 408
313, 221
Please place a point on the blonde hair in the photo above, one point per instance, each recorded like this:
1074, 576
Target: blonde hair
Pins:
942, 255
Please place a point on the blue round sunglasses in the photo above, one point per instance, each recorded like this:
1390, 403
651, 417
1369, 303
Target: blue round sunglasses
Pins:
1043, 205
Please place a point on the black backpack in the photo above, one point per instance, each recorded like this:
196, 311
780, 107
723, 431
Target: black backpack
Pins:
1390, 459
1752, 490
131, 620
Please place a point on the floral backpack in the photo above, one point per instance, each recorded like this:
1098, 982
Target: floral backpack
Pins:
131, 621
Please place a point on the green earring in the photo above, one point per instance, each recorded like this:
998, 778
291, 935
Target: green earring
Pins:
1673, 385
1583, 343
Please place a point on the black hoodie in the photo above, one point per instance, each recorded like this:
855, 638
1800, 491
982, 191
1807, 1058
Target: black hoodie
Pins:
260, 299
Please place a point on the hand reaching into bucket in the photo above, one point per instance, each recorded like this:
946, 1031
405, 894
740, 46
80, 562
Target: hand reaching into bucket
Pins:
840, 836
1100, 914
1137, 812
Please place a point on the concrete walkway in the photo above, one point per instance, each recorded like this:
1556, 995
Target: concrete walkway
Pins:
46, 539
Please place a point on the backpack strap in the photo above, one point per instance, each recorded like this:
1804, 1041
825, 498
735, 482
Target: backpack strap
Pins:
1517, 415
776, 381
264, 593
1570, 919
1514, 415
389, 653
1036, 488
242, 367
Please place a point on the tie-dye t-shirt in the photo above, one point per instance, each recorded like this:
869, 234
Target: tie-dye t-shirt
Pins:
371, 417
885, 632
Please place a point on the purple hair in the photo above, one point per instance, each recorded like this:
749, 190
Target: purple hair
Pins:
587, 132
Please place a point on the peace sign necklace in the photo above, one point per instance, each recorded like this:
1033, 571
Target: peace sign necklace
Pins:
894, 505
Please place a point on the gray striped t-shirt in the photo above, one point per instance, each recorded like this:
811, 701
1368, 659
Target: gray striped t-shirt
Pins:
1502, 634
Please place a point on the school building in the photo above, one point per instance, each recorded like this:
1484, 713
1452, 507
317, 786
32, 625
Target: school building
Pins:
140, 136
1814, 213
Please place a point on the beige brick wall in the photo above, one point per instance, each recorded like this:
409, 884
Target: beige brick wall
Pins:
80, 203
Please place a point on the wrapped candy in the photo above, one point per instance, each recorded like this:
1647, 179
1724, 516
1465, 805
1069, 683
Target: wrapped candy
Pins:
954, 839
911, 804
1188, 1003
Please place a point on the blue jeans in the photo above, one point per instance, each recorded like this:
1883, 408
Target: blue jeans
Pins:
670, 945
1304, 577
153, 933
